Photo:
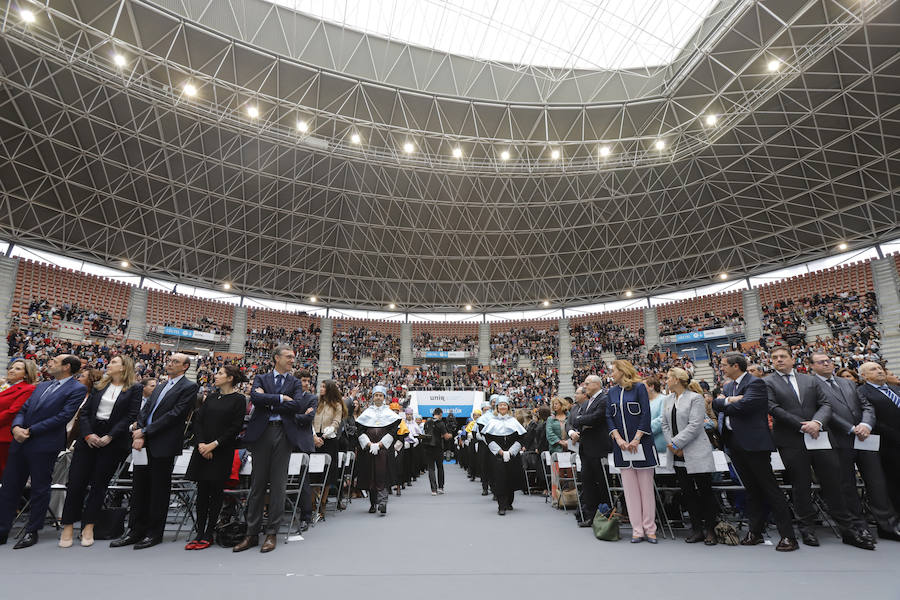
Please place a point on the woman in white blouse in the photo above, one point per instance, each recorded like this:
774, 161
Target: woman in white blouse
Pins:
104, 442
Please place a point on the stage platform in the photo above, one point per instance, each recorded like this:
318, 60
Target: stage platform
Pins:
453, 546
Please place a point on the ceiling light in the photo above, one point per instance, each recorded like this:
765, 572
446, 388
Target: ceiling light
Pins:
604, 150
312, 298
392, 306
842, 246
252, 112
124, 264
659, 145
468, 307
27, 16
546, 303
504, 155
554, 155
408, 147
457, 153
711, 120
226, 285
629, 294
355, 139
119, 60
723, 276
302, 126
774, 65
190, 90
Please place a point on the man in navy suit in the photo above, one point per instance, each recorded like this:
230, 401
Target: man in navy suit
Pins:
281, 421
39, 433
744, 424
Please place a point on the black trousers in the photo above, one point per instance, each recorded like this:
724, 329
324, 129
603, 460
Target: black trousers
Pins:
799, 463
890, 463
697, 497
594, 489
755, 470
21, 465
209, 504
435, 461
150, 499
880, 505
89, 476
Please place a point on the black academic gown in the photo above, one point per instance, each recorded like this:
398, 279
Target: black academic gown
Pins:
506, 476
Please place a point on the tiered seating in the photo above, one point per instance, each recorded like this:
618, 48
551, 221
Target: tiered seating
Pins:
703, 312
619, 332
267, 328
855, 277
445, 336
537, 339
188, 312
355, 338
61, 288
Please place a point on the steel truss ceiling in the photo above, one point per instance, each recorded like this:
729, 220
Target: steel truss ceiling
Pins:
111, 163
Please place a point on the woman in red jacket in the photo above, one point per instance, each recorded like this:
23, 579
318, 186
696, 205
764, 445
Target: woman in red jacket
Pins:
14, 392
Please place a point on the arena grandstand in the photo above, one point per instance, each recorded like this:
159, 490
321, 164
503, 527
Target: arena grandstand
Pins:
505, 207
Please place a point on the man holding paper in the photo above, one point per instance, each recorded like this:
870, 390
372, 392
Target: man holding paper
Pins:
885, 400
800, 410
852, 422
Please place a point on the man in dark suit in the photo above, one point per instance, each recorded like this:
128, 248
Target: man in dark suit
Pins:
39, 433
305, 443
589, 430
799, 407
281, 421
853, 418
885, 399
160, 432
744, 425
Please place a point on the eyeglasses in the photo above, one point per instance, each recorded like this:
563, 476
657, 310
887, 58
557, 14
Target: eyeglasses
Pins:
822, 362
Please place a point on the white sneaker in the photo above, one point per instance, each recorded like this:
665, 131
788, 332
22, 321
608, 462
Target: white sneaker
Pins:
434, 493
440, 490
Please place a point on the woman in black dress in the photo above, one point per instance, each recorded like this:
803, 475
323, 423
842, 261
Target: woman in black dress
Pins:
503, 436
216, 425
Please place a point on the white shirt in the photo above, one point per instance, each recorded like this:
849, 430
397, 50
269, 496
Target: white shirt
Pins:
792, 377
107, 401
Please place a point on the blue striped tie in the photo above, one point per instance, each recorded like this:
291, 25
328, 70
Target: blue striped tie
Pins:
890, 394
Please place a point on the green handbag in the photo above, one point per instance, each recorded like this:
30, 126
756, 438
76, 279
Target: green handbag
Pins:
606, 527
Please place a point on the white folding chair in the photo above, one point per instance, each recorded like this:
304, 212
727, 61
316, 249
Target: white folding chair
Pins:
346, 482
297, 468
547, 467
319, 466
183, 492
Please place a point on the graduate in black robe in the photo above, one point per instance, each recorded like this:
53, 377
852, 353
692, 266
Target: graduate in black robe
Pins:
482, 454
377, 427
503, 437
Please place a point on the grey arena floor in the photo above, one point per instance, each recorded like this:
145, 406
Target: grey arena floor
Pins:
454, 546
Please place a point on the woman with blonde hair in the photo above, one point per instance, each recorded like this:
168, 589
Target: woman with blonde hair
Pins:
683, 427
628, 421
104, 441
20, 379
557, 436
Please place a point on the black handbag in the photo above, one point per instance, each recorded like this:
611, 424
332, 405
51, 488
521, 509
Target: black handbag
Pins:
229, 535
110, 523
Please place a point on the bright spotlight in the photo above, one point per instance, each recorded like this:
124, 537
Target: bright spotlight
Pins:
252, 112
392, 306
457, 153
711, 120
355, 139
723, 276
629, 294
774, 65
546, 303
27, 16
408, 147
302, 126
842, 246
504, 155
468, 307
313, 299
190, 90
604, 150
659, 145
226, 285
554, 154
119, 60
124, 264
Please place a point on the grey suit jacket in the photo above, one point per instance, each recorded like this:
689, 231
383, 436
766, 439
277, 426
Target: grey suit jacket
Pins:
848, 410
789, 412
689, 415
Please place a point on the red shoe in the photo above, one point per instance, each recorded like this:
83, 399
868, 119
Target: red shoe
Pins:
191, 545
202, 545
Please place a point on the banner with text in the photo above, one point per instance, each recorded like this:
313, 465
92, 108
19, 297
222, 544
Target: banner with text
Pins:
458, 403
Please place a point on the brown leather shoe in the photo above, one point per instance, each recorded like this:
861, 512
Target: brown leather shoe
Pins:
268, 544
248, 542
752, 539
787, 545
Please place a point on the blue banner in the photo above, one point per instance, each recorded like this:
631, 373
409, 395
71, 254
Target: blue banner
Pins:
188, 333
706, 334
